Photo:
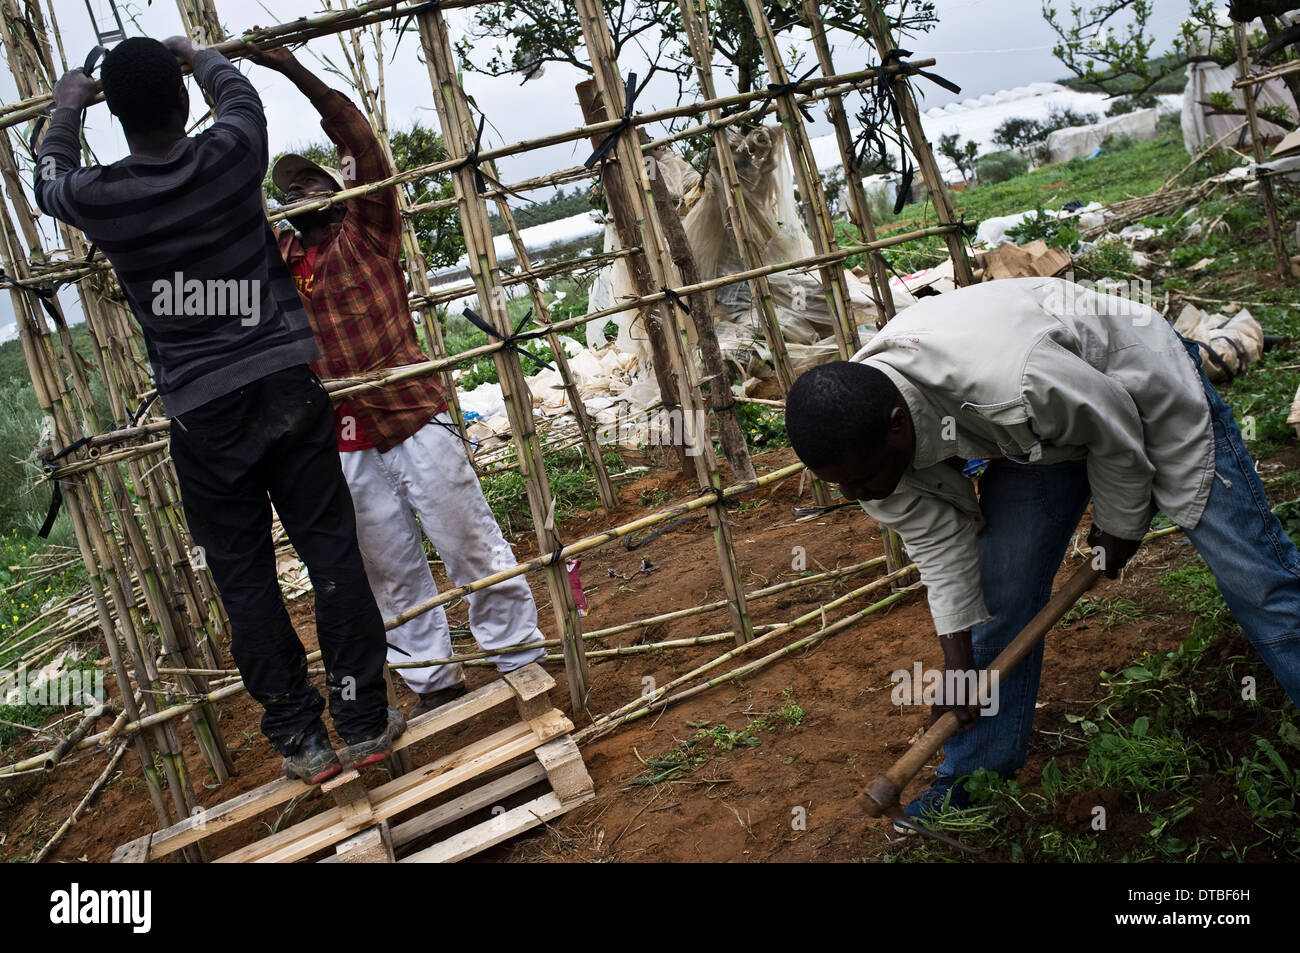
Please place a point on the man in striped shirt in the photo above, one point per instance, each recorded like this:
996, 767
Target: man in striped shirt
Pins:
182, 221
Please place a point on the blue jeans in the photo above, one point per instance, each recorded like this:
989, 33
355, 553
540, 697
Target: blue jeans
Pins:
1030, 514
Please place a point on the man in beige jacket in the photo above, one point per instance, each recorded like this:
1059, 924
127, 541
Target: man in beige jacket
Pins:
1067, 394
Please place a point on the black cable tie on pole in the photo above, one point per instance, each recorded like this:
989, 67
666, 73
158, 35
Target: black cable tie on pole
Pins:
56, 501
140, 411
471, 159
671, 295
882, 105
602, 151
719, 408
557, 554
511, 341
716, 492
895, 57
780, 89
401, 28
56, 498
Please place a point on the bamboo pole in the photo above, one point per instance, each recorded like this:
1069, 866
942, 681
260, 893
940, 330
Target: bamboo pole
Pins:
785, 627
616, 181
730, 433
859, 209
695, 19
811, 195
1280, 259
417, 270
342, 388
878, 25
596, 34
458, 134
542, 316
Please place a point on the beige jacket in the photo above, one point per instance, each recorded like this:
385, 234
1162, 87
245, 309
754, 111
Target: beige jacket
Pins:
1037, 370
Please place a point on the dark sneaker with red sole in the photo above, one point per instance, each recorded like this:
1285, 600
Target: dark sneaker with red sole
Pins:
314, 761
376, 749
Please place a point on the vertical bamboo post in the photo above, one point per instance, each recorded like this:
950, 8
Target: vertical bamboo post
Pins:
458, 134
542, 315
730, 433
1257, 147
600, 46
615, 180
860, 213
695, 19
69, 423
734, 197
812, 196
859, 209
919, 146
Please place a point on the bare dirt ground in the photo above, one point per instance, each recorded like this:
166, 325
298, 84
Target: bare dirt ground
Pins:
792, 797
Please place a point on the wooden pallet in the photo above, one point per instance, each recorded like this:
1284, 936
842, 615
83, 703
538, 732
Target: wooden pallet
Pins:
358, 826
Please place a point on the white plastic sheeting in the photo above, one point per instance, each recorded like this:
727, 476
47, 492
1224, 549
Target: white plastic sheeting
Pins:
1065, 144
1204, 79
1228, 345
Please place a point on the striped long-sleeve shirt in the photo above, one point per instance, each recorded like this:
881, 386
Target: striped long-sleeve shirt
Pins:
188, 237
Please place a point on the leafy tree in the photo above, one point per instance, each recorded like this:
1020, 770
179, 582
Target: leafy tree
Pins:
1127, 104
522, 37
439, 230
963, 157
1109, 44
1018, 132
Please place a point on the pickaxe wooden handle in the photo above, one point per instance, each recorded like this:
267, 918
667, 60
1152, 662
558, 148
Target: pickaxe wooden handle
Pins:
882, 793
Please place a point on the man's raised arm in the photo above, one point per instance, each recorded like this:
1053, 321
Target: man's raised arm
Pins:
361, 158
60, 151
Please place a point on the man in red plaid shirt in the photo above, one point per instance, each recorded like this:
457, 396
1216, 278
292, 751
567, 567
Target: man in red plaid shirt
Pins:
401, 453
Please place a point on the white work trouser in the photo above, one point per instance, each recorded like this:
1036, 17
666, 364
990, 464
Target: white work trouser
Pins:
429, 474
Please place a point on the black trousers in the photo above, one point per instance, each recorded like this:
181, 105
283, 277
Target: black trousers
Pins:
273, 442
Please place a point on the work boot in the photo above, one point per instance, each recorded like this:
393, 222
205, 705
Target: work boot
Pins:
314, 760
937, 797
372, 750
439, 697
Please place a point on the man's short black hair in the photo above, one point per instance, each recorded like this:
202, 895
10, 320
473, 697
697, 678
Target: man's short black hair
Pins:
837, 409
141, 78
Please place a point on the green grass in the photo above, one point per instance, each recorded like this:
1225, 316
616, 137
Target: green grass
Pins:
689, 753
1104, 611
572, 483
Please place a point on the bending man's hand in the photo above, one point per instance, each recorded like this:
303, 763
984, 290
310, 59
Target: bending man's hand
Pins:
1111, 552
75, 90
958, 657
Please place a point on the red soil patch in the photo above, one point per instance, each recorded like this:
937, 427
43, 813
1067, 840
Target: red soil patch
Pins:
742, 804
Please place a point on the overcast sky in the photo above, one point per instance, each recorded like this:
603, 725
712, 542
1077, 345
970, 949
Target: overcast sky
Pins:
982, 45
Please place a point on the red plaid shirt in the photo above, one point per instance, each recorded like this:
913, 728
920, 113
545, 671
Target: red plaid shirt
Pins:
358, 302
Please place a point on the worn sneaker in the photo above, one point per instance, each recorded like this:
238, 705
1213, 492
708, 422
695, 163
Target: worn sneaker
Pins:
372, 750
439, 697
937, 797
314, 761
